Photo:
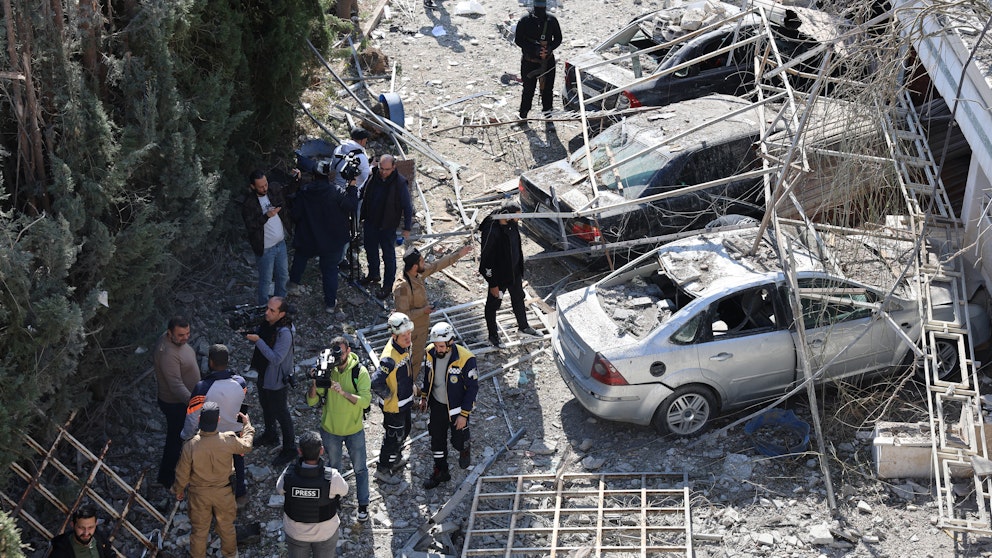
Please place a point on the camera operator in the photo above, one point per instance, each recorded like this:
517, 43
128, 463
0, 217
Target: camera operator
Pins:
273, 359
321, 212
343, 387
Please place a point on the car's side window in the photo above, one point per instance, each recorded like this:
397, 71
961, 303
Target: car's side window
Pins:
744, 313
831, 301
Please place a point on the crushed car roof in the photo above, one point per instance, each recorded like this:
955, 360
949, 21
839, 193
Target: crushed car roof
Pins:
718, 260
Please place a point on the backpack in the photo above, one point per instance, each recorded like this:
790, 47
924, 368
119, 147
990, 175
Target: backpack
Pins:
355, 372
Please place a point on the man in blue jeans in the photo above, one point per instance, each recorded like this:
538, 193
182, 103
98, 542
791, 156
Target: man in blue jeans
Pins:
344, 402
266, 219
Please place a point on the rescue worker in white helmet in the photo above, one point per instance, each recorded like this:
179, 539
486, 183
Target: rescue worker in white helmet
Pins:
393, 382
448, 388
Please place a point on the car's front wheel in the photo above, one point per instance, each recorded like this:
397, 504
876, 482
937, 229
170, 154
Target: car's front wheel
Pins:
686, 412
948, 362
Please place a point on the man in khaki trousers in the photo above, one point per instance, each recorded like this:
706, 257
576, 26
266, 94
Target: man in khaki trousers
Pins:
205, 468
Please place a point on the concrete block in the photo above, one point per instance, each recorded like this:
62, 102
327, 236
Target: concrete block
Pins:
902, 450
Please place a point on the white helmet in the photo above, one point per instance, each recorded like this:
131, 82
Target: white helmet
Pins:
442, 331
398, 323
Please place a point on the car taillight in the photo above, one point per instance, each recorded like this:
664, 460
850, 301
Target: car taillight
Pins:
524, 194
631, 99
586, 232
604, 372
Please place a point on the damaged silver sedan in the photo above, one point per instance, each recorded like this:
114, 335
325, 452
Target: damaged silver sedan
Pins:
700, 326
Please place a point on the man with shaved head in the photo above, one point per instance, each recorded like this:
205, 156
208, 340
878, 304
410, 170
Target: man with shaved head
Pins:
386, 200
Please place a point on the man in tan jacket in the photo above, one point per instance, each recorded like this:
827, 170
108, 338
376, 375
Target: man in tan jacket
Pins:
205, 467
410, 297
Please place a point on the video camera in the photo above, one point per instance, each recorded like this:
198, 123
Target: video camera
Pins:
244, 318
326, 360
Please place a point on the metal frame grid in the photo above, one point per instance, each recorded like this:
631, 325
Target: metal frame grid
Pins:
470, 326
46, 464
605, 514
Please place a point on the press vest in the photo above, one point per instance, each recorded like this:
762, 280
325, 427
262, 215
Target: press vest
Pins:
308, 494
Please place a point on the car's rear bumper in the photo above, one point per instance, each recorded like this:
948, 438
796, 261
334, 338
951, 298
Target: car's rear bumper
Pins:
616, 403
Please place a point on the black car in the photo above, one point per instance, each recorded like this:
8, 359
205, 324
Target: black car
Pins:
673, 64
655, 157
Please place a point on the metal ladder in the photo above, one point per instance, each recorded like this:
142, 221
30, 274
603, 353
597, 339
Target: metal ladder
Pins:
956, 425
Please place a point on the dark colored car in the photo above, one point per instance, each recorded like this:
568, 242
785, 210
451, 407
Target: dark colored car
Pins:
673, 64
658, 153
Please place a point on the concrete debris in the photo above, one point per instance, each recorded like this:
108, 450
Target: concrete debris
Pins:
764, 539
737, 467
864, 507
592, 463
820, 534
540, 448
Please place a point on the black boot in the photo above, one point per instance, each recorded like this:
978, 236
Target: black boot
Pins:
266, 439
439, 476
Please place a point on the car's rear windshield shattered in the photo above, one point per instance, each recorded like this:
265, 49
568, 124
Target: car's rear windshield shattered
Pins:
638, 306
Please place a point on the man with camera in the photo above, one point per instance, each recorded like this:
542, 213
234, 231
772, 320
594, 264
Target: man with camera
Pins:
342, 386
386, 199
322, 212
228, 391
352, 163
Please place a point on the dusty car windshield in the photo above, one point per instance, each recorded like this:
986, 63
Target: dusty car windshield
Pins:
617, 143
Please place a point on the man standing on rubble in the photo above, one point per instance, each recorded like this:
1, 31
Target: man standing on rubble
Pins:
386, 200
501, 263
204, 472
322, 212
176, 374
266, 219
538, 35
448, 388
393, 382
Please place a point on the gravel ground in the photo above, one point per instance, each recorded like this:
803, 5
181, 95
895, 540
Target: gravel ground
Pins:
742, 503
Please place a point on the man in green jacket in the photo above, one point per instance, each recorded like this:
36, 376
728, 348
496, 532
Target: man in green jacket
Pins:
342, 420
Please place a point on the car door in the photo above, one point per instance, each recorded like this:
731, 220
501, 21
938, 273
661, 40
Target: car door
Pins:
841, 329
741, 345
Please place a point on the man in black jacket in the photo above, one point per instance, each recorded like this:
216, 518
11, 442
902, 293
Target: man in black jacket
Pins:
538, 35
386, 199
83, 540
266, 219
321, 213
501, 263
